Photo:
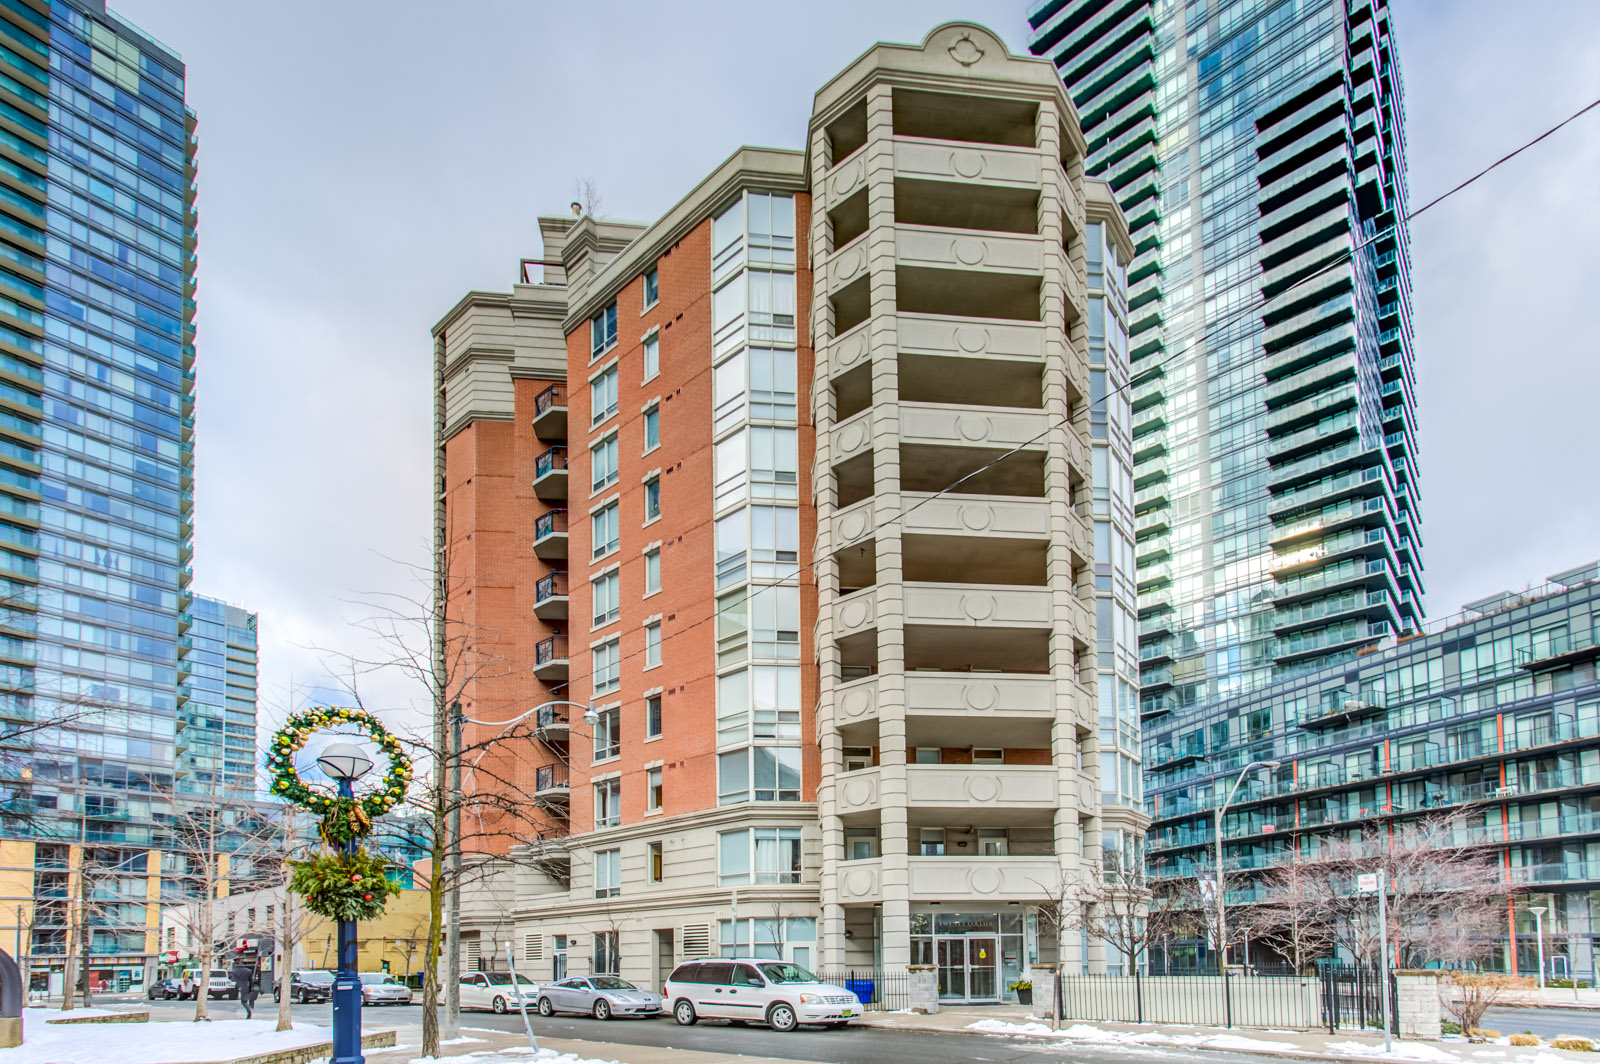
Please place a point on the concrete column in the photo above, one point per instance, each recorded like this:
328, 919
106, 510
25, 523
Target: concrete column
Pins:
1417, 1001
923, 990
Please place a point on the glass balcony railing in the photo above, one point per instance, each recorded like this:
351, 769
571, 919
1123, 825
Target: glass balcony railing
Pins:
548, 587
549, 399
549, 524
551, 461
1554, 647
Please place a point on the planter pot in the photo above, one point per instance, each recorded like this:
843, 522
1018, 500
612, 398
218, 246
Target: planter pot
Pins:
1025, 996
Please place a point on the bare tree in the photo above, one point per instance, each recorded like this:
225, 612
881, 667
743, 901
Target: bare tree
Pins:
1293, 918
214, 836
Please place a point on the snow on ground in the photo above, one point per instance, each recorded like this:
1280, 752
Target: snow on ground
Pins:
1083, 1032
514, 1055
1400, 1051
150, 1043
44, 1015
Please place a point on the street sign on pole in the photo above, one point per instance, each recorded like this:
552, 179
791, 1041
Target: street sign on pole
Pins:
1383, 948
1367, 882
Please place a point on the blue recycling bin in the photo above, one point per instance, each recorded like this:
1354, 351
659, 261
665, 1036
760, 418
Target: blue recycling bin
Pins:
861, 988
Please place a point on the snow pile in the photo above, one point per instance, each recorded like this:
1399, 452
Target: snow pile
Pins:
1400, 1051
1002, 1027
179, 1042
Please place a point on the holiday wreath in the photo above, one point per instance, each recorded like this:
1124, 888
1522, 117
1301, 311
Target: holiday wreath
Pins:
336, 884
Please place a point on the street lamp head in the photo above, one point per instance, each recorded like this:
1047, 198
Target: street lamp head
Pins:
1272, 764
590, 717
1538, 910
344, 761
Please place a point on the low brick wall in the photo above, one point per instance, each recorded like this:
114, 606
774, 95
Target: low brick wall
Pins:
305, 1054
109, 1017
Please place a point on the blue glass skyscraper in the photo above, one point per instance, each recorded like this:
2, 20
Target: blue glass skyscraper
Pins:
1257, 148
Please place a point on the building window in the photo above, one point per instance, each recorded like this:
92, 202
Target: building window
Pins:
603, 462
763, 623
652, 645
993, 842
757, 228
652, 717
771, 938
602, 332
762, 702
607, 953
982, 756
653, 860
762, 459
607, 873
608, 735
607, 668
759, 773
607, 803
270, 909
652, 357
758, 383
603, 396
652, 571
759, 855
928, 755
758, 542
652, 499
932, 842
607, 597
605, 528
652, 429
652, 288
653, 789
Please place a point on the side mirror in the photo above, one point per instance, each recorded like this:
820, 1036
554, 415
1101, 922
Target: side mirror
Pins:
754, 982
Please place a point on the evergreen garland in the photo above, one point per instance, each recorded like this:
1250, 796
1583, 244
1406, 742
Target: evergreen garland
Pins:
344, 886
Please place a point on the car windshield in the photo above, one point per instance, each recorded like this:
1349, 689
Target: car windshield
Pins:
315, 977
607, 982
504, 979
377, 979
787, 973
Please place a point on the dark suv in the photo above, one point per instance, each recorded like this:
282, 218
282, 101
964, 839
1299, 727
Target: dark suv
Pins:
166, 989
306, 987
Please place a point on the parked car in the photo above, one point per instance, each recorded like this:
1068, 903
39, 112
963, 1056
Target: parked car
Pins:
221, 983
601, 996
307, 986
779, 994
381, 988
492, 990
166, 990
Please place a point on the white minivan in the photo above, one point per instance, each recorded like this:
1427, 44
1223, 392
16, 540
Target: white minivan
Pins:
776, 993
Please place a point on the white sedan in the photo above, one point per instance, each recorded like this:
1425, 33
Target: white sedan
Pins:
493, 990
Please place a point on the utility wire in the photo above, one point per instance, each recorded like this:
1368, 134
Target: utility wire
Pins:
1251, 310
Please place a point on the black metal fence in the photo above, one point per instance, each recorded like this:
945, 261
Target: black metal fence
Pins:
1333, 997
878, 990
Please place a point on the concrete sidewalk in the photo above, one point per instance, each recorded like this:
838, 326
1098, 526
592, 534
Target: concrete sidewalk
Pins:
1351, 1046
408, 1047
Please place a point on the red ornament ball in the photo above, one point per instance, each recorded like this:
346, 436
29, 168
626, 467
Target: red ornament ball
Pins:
366, 897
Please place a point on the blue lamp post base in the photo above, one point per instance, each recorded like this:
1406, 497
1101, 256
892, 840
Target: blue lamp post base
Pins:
347, 983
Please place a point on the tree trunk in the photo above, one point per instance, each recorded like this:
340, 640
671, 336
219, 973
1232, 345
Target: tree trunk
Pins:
286, 943
430, 957
202, 986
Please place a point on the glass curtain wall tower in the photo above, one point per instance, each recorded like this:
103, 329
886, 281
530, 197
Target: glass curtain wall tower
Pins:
1257, 148
107, 151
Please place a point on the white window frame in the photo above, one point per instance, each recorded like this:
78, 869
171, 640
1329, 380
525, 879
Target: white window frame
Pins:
608, 873
601, 453
607, 797
605, 672
603, 394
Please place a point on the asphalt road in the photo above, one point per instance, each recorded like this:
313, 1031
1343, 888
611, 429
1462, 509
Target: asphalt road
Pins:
1547, 1023
852, 1045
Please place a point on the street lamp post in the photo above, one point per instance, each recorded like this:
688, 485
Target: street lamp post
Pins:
1538, 932
1222, 916
345, 763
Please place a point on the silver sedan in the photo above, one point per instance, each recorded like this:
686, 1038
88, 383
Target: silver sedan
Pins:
601, 996
381, 988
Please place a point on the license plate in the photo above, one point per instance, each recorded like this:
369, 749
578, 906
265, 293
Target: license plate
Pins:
847, 1012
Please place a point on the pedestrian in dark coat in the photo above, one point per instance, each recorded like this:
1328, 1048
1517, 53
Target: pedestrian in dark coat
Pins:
244, 985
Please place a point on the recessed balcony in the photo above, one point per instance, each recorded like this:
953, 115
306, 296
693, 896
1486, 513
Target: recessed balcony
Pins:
966, 788
982, 878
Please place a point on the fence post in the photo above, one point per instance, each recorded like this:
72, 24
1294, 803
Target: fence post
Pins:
1227, 997
1138, 995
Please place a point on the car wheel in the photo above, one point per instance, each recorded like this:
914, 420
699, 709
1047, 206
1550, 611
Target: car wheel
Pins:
500, 1004
781, 1017
602, 1009
545, 1008
683, 1012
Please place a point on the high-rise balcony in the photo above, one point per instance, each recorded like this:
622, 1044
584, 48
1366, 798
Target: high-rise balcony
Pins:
996, 788
550, 413
550, 659
551, 724
551, 786
550, 597
982, 878
972, 166
550, 475
1558, 650
550, 536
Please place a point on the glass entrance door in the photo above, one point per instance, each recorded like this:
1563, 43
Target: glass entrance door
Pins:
982, 959
952, 961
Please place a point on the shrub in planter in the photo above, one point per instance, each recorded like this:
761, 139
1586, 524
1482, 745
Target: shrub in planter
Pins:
1526, 1038
1573, 1043
1024, 990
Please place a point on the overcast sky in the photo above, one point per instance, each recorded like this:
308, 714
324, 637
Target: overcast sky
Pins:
363, 164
